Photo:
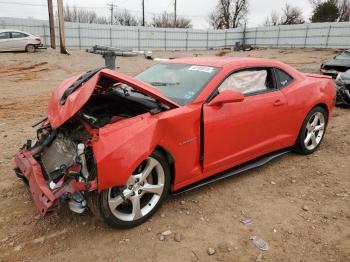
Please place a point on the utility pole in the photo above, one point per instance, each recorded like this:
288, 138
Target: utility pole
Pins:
111, 8
143, 12
175, 13
61, 27
51, 24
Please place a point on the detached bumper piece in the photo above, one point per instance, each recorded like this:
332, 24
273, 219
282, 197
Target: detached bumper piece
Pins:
44, 197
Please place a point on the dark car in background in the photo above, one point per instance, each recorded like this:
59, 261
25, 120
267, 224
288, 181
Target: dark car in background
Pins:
338, 64
343, 89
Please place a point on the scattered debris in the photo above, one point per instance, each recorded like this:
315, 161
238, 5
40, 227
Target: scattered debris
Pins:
166, 233
177, 237
293, 181
211, 251
274, 230
247, 221
182, 202
161, 238
273, 183
259, 243
305, 208
149, 229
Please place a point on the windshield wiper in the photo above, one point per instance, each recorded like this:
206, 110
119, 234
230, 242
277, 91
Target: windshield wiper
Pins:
164, 83
83, 78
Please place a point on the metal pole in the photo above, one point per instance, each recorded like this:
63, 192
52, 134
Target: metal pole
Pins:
79, 36
329, 30
165, 39
186, 39
306, 33
44, 28
138, 39
110, 36
226, 38
207, 40
51, 24
256, 34
278, 36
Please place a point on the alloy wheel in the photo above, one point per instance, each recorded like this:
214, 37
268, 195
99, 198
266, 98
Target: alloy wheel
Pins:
141, 193
314, 130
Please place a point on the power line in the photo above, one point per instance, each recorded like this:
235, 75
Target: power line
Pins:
95, 7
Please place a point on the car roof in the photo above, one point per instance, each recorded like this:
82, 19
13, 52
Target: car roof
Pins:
223, 61
14, 30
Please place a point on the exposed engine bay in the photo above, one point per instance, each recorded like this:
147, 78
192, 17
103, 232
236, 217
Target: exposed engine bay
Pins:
113, 101
65, 154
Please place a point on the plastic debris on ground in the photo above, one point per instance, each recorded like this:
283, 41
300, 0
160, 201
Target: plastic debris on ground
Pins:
259, 243
247, 222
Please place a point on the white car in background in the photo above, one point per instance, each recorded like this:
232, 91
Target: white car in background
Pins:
14, 40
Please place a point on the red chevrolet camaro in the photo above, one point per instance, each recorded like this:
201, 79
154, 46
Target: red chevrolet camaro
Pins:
119, 145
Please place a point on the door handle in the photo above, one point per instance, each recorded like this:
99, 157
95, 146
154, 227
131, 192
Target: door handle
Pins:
278, 102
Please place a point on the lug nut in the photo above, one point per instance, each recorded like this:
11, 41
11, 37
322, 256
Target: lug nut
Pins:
133, 193
140, 191
130, 187
137, 180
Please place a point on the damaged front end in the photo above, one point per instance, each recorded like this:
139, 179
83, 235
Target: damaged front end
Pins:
60, 165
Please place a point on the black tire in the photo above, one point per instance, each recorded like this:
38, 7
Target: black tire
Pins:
99, 206
30, 48
300, 146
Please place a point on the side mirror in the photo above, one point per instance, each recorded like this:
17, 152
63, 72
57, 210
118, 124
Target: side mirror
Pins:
227, 96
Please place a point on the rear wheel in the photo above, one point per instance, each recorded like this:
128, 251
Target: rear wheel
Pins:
312, 131
30, 48
140, 198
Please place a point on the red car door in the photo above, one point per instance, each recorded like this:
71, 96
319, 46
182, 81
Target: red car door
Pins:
240, 131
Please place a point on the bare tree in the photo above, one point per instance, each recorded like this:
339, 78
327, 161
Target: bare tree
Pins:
344, 10
74, 14
167, 20
229, 14
124, 17
272, 20
292, 15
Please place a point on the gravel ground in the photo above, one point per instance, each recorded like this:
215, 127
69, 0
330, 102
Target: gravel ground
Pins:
299, 205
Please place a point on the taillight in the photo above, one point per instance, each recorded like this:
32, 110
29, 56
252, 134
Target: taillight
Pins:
38, 39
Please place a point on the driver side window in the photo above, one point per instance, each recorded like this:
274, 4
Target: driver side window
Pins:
249, 81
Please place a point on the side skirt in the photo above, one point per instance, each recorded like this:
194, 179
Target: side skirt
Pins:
234, 171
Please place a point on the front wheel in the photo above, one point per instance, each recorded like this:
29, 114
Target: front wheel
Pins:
312, 131
139, 199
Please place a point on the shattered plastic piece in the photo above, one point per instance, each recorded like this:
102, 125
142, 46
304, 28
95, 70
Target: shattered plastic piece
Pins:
247, 222
259, 243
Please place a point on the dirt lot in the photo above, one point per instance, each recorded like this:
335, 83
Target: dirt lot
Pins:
273, 196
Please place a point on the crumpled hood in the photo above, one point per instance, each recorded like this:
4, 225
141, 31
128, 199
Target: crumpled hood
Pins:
59, 113
337, 62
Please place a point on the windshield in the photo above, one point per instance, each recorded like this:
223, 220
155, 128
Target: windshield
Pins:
344, 55
179, 82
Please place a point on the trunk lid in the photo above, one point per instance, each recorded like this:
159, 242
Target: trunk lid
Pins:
59, 113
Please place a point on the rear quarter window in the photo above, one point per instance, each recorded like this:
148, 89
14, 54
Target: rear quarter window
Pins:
283, 78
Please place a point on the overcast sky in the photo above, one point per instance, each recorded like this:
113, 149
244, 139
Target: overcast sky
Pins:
196, 10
